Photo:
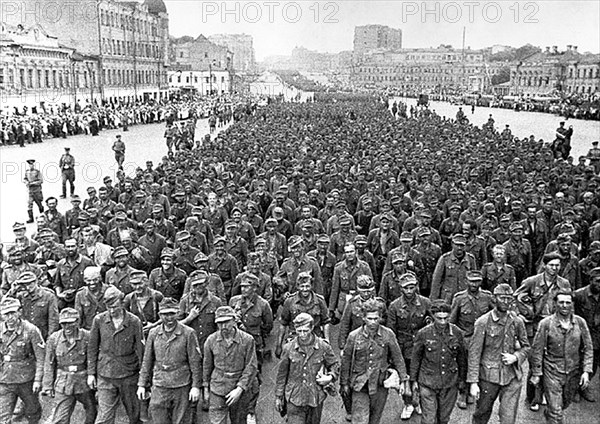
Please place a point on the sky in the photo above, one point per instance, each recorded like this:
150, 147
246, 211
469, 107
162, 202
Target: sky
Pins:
328, 26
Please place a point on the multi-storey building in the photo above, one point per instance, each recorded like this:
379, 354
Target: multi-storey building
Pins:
241, 45
129, 39
200, 54
372, 37
215, 81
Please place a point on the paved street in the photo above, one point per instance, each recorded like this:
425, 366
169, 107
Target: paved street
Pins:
95, 160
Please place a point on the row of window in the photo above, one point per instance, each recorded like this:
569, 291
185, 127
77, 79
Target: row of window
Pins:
404, 78
46, 78
128, 77
119, 20
195, 78
419, 70
130, 48
449, 57
584, 73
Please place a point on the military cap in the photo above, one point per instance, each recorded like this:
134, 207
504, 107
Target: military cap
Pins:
595, 247
120, 251
230, 223
367, 200
503, 289
168, 306
438, 306
425, 214
17, 226
308, 224
45, 232
219, 240
551, 256
304, 276
75, 198
295, 241
323, 238
252, 205
595, 272
455, 207
259, 241
385, 202
253, 257
235, 209
26, 277
474, 275
516, 202
249, 280
30, 161
83, 215
303, 319
107, 178
504, 217
166, 253
454, 190
90, 189
345, 220
408, 279
183, 235
68, 315
398, 257
179, 193
516, 226
197, 210
270, 221
423, 231
121, 215
459, 239
277, 211
385, 217
568, 212
394, 200
198, 276
224, 314
15, 249
563, 237
91, 272
140, 193
360, 240
365, 282
157, 208
149, 222
112, 295
9, 304
490, 208
138, 275
200, 257
406, 236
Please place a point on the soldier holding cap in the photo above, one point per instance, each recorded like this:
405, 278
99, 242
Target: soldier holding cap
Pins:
406, 315
22, 351
89, 301
299, 394
467, 306
229, 370
33, 181
168, 279
172, 366
114, 358
498, 350
197, 308
65, 369
450, 275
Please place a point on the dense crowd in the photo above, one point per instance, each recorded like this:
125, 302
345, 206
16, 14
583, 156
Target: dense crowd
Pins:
366, 250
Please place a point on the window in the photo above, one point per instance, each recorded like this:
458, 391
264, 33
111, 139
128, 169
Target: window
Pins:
196, 79
39, 79
1, 76
179, 79
30, 78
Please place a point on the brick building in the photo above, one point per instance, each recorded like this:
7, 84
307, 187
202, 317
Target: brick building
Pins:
373, 37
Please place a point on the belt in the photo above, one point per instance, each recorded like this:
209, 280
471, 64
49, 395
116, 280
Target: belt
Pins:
14, 358
73, 368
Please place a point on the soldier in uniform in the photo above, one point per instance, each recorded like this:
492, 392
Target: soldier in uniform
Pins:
345, 276
352, 315
168, 279
301, 395
214, 285
224, 265
264, 287
498, 271
406, 316
33, 181
49, 249
390, 288
15, 268
467, 306
518, 252
172, 366
498, 350
114, 358
256, 319
69, 274
65, 369
38, 304
268, 261
143, 302
119, 148
343, 236
28, 245
22, 363
450, 275
119, 275
229, 391
89, 301
438, 365
55, 220
326, 261
67, 168
184, 254
297, 263
368, 354
304, 300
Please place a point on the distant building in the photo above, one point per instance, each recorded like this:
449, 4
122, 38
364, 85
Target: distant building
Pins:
129, 38
200, 54
241, 45
554, 72
215, 81
36, 71
372, 37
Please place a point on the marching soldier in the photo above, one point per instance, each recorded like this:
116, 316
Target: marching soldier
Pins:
65, 369
168, 279
450, 275
89, 301
69, 274
352, 315
22, 366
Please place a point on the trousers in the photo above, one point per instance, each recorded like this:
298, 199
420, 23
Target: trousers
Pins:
9, 393
509, 401
113, 390
559, 390
65, 404
170, 405
437, 404
303, 414
367, 408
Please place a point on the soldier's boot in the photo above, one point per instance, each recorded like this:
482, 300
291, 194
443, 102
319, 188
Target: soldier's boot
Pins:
462, 400
30, 213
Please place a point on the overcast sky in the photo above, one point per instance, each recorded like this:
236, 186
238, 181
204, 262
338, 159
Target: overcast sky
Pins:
278, 26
